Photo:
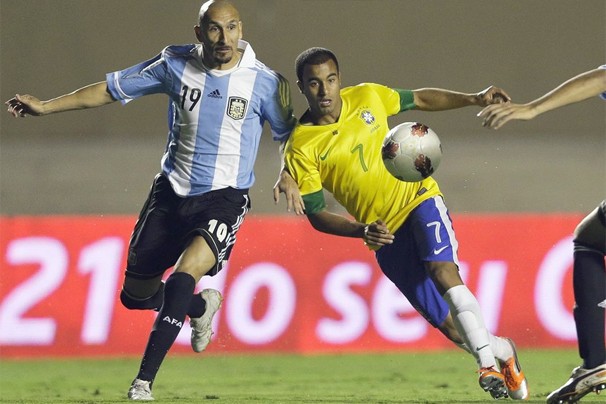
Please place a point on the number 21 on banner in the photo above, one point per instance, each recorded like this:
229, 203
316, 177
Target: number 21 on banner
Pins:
100, 260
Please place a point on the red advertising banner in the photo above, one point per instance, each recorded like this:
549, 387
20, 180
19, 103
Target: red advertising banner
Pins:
287, 288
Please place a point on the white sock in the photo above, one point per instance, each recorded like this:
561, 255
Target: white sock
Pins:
501, 348
467, 317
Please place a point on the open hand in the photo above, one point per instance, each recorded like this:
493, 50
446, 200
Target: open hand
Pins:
290, 188
495, 116
377, 234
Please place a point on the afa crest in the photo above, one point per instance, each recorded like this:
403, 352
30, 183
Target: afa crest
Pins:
236, 107
367, 117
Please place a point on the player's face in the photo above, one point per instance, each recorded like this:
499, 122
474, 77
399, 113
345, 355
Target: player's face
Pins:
219, 32
321, 86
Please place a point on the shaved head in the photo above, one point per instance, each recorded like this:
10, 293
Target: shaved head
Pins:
211, 6
219, 30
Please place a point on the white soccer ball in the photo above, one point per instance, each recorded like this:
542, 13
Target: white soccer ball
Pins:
411, 151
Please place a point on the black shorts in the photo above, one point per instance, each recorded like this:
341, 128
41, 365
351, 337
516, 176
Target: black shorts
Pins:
167, 223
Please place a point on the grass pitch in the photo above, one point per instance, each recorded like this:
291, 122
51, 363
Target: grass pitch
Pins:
436, 377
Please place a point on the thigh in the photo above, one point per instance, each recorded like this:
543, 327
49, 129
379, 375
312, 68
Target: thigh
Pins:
433, 232
401, 263
154, 245
216, 217
197, 259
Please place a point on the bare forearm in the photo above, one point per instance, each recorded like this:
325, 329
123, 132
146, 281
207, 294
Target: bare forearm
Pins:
375, 234
91, 96
435, 99
281, 150
336, 225
579, 88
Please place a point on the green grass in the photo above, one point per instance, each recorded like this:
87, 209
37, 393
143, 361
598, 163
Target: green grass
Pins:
437, 377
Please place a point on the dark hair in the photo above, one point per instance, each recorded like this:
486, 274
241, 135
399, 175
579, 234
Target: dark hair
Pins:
313, 56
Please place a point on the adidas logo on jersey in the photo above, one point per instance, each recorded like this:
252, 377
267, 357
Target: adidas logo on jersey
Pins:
215, 94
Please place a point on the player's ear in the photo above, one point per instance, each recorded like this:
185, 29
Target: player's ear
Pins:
198, 32
300, 85
240, 25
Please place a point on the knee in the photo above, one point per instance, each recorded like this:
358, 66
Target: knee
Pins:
581, 234
444, 275
153, 302
437, 270
585, 240
590, 233
130, 302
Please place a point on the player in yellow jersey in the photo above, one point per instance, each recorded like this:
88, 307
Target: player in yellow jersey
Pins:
336, 146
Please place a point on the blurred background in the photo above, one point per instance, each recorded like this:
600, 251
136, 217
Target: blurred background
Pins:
102, 161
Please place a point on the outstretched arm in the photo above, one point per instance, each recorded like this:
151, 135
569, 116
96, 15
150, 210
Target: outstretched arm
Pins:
374, 234
578, 88
437, 99
94, 95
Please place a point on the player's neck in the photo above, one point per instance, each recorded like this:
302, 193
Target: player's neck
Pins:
214, 65
319, 119
310, 120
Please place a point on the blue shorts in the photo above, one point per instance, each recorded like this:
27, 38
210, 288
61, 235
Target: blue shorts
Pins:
426, 235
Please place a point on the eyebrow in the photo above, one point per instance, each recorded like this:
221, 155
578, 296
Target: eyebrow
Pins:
317, 78
234, 21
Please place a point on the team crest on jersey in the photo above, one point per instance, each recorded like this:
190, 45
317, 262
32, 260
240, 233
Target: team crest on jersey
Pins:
367, 117
236, 107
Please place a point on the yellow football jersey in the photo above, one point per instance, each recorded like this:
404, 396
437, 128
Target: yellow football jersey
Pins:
345, 159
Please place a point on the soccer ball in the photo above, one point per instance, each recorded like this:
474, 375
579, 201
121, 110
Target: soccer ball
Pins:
411, 151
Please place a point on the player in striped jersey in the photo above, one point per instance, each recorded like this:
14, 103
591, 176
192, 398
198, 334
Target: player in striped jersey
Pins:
589, 269
336, 146
220, 95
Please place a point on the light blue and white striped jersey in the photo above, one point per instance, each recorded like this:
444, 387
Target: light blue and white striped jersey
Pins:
216, 117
